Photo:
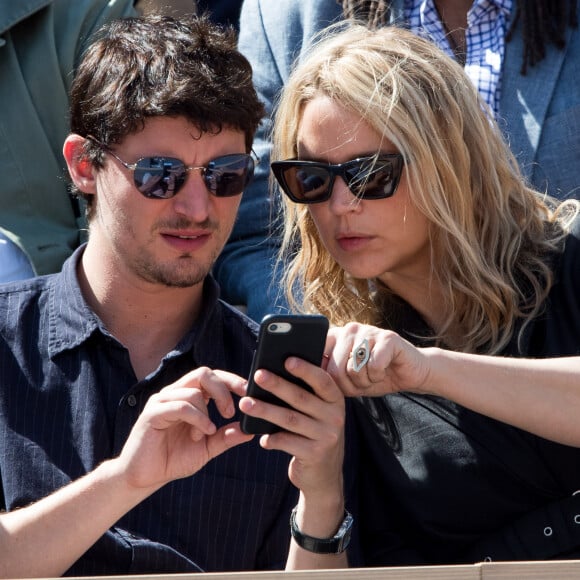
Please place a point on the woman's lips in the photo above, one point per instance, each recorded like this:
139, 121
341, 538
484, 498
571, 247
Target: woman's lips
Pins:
352, 242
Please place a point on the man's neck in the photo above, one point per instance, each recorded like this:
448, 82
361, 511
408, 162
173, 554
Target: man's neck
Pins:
148, 319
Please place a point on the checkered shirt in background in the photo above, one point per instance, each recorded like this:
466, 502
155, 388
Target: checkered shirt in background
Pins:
487, 23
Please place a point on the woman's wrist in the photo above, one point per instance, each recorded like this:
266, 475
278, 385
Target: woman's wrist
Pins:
436, 358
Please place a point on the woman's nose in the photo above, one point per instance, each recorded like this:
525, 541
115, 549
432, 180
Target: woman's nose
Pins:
342, 199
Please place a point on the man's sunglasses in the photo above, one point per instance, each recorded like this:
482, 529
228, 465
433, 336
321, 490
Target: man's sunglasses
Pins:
373, 177
163, 177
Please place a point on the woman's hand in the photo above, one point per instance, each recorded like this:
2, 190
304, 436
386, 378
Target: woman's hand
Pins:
392, 364
538, 395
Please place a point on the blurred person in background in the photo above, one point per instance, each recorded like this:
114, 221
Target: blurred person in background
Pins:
41, 43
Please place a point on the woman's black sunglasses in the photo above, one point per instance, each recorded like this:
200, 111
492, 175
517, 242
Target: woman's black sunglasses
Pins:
163, 177
374, 177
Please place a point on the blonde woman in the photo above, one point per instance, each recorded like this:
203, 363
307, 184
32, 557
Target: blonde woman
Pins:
455, 289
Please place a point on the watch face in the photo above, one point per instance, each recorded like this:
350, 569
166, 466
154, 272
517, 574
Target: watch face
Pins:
344, 531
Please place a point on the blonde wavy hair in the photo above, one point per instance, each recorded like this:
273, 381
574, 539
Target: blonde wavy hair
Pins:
491, 236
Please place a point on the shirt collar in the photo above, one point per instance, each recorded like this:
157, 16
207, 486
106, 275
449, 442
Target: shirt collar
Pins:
504, 5
72, 321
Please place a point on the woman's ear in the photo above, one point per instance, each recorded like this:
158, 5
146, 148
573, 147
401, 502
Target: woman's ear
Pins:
81, 170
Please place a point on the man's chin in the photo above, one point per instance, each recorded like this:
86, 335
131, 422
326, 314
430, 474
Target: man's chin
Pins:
183, 283
177, 277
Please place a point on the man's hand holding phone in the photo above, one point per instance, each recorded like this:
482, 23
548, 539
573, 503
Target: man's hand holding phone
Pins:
309, 422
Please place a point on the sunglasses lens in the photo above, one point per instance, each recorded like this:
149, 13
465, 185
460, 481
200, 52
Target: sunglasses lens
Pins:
367, 178
306, 184
159, 177
373, 179
228, 175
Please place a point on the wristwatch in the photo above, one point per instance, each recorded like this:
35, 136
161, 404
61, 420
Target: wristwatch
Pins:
335, 545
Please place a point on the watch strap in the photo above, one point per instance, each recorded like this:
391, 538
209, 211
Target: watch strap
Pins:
335, 545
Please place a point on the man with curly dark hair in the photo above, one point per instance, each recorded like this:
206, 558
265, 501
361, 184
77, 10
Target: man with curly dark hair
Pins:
121, 450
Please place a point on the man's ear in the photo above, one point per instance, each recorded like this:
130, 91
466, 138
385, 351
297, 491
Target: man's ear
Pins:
80, 169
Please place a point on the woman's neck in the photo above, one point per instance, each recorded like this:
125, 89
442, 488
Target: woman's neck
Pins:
424, 295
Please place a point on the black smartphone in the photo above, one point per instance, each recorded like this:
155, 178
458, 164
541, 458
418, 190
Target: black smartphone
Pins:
282, 336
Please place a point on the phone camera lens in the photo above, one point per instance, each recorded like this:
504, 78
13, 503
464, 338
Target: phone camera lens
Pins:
279, 327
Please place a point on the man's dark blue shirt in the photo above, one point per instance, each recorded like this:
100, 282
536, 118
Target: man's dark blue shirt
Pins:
68, 400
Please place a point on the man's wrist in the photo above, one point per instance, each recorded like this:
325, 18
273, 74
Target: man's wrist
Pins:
336, 544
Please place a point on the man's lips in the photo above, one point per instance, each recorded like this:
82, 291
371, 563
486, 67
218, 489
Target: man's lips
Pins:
186, 241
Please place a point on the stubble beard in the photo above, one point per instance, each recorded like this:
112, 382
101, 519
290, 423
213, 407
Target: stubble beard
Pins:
184, 273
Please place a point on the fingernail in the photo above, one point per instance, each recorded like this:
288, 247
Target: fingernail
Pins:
292, 363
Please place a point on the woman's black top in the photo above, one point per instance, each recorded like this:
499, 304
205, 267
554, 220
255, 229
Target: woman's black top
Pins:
440, 484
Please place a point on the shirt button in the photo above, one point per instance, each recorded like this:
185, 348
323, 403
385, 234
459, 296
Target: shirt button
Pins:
131, 400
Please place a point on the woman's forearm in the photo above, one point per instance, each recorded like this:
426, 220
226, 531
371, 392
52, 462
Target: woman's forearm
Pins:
539, 395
